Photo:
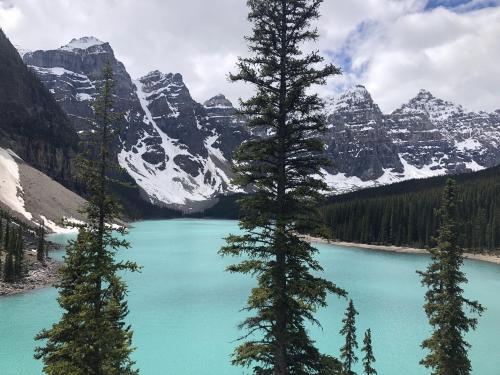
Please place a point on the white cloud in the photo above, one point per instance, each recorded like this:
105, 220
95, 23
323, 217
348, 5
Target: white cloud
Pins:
10, 16
396, 47
454, 55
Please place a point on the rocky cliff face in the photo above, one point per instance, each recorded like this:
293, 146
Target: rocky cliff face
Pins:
179, 151
425, 137
31, 122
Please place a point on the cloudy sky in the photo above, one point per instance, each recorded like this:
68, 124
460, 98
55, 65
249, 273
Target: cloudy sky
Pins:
393, 47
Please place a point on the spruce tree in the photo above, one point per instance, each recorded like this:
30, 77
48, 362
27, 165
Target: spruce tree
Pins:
40, 249
369, 358
18, 249
9, 275
444, 300
282, 167
6, 239
92, 338
347, 355
1, 240
1, 229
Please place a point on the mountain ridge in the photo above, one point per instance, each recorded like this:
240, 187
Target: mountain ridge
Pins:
180, 151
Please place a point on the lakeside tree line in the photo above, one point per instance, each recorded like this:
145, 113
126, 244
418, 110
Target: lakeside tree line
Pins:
13, 236
390, 217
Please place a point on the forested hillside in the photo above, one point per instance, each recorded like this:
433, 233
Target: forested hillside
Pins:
404, 213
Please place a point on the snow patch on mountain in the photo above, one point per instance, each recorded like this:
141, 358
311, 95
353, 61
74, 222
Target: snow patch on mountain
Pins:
11, 191
469, 144
167, 183
341, 183
57, 71
82, 43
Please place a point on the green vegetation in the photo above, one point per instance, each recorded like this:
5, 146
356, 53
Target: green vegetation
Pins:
369, 358
41, 249
12, 238
444, 300
404, 213
92, 338
281, 168
347, 355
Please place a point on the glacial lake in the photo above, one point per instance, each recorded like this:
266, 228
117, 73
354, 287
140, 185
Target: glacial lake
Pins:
184, 308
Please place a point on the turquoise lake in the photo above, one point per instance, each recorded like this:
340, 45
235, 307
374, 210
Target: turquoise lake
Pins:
184, 308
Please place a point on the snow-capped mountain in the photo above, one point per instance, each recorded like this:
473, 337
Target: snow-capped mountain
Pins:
425, 137
179, 151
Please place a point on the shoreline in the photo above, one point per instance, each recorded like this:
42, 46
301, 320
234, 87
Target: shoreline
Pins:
490, 258
39, 276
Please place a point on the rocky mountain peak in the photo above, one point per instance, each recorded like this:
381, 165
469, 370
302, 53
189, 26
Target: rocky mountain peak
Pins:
163, 79
426, 104
83, 43
218, 101
354, 108
425, 95
356, 97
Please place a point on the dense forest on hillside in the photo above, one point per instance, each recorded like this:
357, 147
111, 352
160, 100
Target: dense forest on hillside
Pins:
404, 213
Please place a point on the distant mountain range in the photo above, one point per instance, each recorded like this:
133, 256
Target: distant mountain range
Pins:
179, 151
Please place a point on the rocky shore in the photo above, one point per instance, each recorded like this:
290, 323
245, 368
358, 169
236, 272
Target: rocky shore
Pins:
38, 276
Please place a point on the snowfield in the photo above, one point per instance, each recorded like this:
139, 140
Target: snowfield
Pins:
11, 191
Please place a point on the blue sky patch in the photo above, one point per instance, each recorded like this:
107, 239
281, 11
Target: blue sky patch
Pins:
462, 5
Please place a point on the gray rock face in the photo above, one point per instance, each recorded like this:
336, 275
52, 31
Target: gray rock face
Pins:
179, 151
223, 119
426, 136
31, 122
357, 140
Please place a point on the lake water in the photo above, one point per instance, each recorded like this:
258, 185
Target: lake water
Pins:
184, 308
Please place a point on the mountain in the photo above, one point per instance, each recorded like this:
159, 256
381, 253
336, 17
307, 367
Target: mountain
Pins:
30, 195
425, 137
32, 124
179, 152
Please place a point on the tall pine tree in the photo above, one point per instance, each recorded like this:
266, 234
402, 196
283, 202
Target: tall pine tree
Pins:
92, 338
9, 273
40, 249
347, 354
282, 167
18, 248
445, 304
369, 358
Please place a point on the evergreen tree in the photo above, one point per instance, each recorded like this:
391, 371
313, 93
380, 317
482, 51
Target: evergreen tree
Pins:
1, 240
18, 249
330, 366
347, 354
6, 239
444, 300
9, 275
282, 168
369, 358
92, 338
1, 228
40, 249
